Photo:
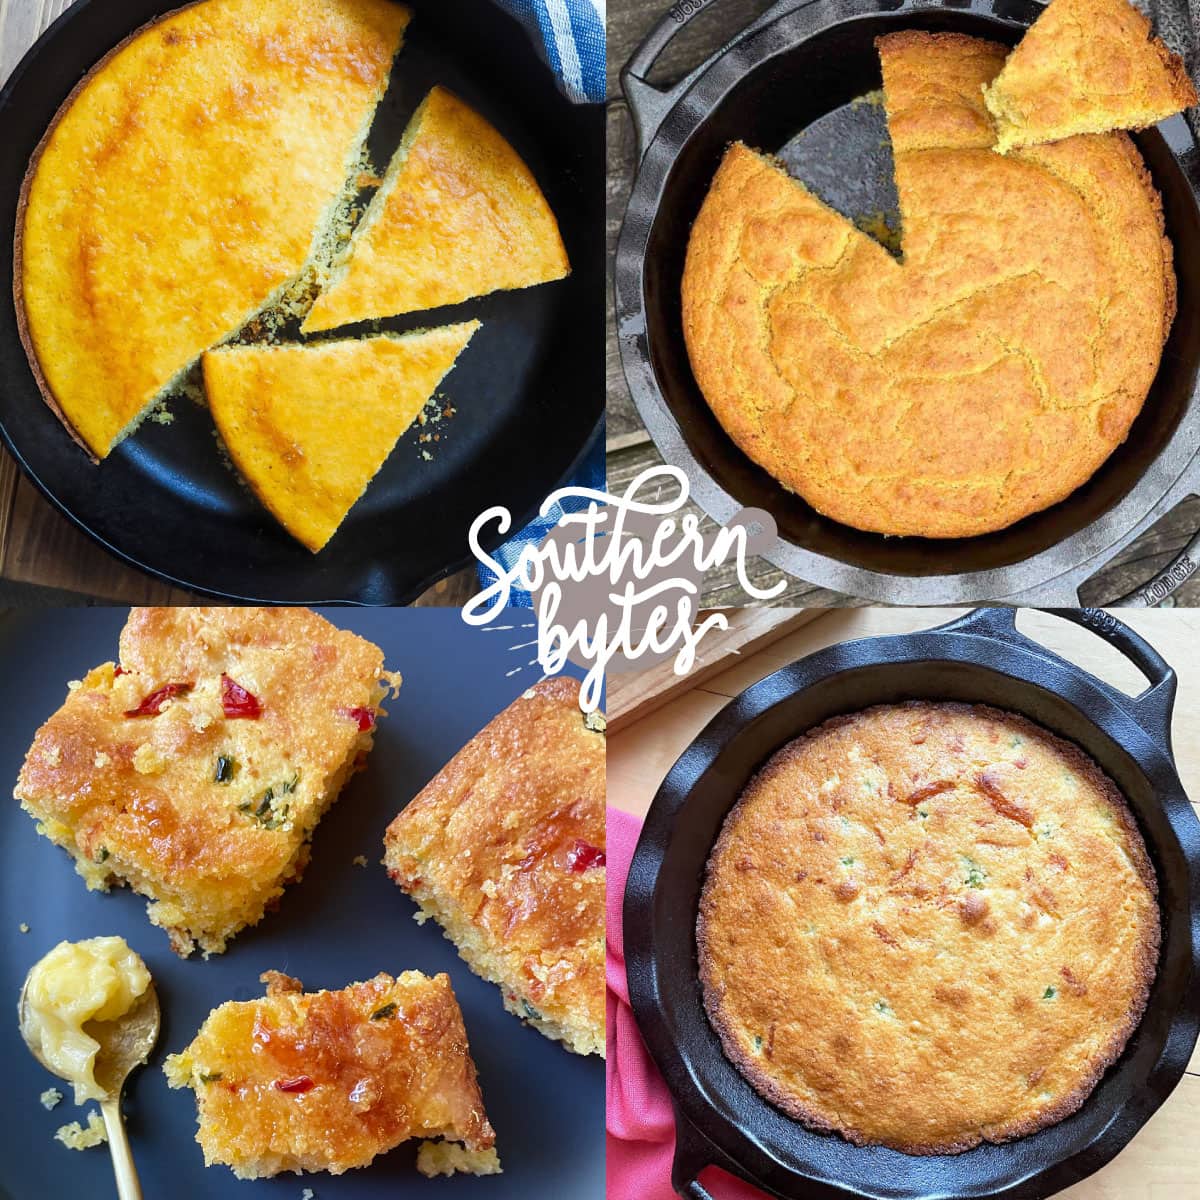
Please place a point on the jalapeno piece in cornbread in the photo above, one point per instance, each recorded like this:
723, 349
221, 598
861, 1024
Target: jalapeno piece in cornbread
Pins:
197, 768
325, 1081
505, 849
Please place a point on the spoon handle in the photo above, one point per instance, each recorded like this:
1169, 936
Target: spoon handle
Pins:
128, 1187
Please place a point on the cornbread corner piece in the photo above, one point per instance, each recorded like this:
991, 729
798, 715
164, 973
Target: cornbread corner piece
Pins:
1086, 66
325, 1081
193, 177
505, 849
197, 768
310, 425
459, 214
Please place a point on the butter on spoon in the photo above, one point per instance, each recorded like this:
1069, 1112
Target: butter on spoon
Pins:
89, 1014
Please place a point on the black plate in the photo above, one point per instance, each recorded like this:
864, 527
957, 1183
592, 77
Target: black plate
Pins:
800, 64
528, 390
981, 658
341, 922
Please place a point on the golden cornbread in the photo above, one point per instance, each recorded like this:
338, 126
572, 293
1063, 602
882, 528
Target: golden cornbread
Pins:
1086, 66
325, 1081
926, 926
181, 187
505, 849
982, 378
310, 425
196, 770
458, 215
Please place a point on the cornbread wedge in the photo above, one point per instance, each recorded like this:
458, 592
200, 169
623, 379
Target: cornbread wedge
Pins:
310, 425
1085, 66
927, 926
458, 215
197, 768
325, 1081
505, 849
192, 176
983, 378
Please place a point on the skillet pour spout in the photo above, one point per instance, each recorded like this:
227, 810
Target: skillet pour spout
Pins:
981, 658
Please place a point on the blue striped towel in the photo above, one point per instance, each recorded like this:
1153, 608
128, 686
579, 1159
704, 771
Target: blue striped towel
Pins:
571, 33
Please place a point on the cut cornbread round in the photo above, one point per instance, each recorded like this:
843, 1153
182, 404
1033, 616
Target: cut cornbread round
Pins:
926, 926
328, 1080
1086, 66
985, 376
459, 214
184, 183
310, 425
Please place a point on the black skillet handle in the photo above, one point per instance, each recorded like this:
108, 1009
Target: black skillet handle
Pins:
692, 1154
648, 105
1152, 708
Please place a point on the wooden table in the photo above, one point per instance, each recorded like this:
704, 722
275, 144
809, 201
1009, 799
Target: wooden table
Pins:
1162, 1162
630, 449
37, 544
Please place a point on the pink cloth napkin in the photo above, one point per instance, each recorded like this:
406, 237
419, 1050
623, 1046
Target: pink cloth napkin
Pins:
640, 1122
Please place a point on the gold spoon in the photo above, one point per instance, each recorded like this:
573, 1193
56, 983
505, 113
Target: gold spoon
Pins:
124, 1044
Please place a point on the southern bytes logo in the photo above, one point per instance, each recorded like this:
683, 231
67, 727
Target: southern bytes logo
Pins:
618, 583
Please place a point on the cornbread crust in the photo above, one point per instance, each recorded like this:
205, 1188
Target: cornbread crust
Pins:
136, 799
459, 214
308, 426
182, 185
984, 378
1086, 66
873, 849
362, 1070
491, 850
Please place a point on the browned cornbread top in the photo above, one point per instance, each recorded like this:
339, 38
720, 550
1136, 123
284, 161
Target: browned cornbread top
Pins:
506, 839
325, 1081
1086, 66
928, 925
982, 379
139, 799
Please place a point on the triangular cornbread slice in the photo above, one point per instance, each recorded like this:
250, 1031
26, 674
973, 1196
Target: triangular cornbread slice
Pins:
458, 215
1085, 66
183, 186
308, 426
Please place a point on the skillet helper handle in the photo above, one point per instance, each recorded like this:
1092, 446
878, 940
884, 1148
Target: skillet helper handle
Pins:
1151, 708
1185, 565
692, 1154
648, 105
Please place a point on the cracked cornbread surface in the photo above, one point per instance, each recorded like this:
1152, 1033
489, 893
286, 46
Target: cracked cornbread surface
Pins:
325, 1081
185, 181
926, 926
505, 849
1086, 66
196, 769
982, 378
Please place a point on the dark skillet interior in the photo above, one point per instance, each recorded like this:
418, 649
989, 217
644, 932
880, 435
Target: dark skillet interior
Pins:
527, 390
661, 905
773, 101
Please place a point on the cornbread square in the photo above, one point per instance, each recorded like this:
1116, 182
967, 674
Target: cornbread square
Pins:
1086, 66
505, 849
197, 768
325, 1081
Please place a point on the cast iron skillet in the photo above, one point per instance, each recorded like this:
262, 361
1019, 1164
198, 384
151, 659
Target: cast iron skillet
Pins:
798, 63
528, 389
981, 658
